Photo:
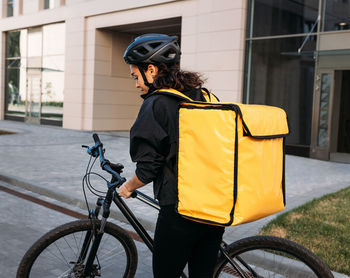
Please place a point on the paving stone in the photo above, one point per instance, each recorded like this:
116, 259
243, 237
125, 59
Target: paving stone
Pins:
50, 161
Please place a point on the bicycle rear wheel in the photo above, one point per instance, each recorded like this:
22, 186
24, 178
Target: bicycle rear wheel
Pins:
56, 253
266, 256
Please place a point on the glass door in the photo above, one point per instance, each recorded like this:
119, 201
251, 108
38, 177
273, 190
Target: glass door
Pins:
321, 127
33, 99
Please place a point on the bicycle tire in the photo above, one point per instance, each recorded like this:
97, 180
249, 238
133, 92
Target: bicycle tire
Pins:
270, 256
54, 254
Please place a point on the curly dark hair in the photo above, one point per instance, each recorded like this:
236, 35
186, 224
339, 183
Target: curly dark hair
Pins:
174, 77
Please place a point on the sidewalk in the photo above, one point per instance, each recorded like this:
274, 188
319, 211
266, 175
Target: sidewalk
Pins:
50, 161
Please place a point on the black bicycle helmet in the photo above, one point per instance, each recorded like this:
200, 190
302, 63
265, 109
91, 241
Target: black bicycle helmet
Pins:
153, 49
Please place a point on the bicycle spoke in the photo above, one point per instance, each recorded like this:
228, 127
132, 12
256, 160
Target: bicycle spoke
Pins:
76, 243
75, 252
112, 251
61, 259
64, 274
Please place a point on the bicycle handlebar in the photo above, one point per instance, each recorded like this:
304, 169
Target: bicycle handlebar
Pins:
96, 139
105, 163
113, 169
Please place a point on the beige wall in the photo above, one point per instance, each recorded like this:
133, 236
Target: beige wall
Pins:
31, 6
213, 43
335, 40
329, 42
75, 108
116, 101
216, 50
99, 94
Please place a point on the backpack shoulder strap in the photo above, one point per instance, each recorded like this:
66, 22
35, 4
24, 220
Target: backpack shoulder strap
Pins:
209, 96
173, 92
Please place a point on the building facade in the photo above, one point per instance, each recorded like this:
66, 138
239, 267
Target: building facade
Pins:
62, 61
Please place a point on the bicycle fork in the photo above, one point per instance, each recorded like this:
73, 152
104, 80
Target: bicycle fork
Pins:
95, 235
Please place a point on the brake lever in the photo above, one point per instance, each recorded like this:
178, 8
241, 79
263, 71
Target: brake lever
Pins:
91, 150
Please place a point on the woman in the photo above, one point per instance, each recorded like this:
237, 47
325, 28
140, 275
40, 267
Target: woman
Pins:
154, 64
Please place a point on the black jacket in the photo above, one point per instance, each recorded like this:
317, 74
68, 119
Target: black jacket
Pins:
153, 143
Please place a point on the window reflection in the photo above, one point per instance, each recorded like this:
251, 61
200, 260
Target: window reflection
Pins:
336, 15
16, 72
280, 17
35, 74
13, 45
10, 6
53, 71
49, 4
280, 76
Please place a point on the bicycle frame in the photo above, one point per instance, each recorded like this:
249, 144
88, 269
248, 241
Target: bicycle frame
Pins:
112, 195
149, 241
140, 230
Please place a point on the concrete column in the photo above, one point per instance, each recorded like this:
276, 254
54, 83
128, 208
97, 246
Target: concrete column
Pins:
40, 5
57, 3
3, 8
17, 9
32, 6
74, 108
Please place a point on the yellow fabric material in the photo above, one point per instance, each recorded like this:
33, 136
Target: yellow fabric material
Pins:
259, 181
268, 125
205, 173
206, 160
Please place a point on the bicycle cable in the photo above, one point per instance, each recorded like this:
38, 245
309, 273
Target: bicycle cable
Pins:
86, 181
83, 183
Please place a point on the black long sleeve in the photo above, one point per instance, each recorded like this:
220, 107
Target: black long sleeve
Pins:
153, 144
149, 140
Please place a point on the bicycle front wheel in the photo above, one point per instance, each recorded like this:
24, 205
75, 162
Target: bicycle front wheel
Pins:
267, 256
58, 253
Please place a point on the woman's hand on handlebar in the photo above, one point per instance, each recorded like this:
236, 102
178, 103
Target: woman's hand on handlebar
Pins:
130, 186
124, 191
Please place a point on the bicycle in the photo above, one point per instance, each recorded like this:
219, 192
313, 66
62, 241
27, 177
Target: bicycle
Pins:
95, 247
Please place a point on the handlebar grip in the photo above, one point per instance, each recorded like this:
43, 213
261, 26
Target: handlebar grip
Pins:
133, 195
96, 138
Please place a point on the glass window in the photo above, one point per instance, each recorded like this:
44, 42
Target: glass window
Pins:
53, 71
276, 74
10, 5
13, 44
281, 17
35, 72
16, 72
34, 43
336, 15
49, 4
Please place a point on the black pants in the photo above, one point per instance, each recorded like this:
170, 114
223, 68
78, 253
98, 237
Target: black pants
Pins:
178, 240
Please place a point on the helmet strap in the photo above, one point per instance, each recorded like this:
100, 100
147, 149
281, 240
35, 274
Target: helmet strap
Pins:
145, 80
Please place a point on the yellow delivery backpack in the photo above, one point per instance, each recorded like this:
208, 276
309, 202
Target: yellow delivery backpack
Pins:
231, 160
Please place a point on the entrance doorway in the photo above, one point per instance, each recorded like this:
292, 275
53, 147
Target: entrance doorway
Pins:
340, 145
331, 128
344, 115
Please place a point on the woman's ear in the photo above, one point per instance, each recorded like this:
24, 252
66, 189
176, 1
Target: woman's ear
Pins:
152, 69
